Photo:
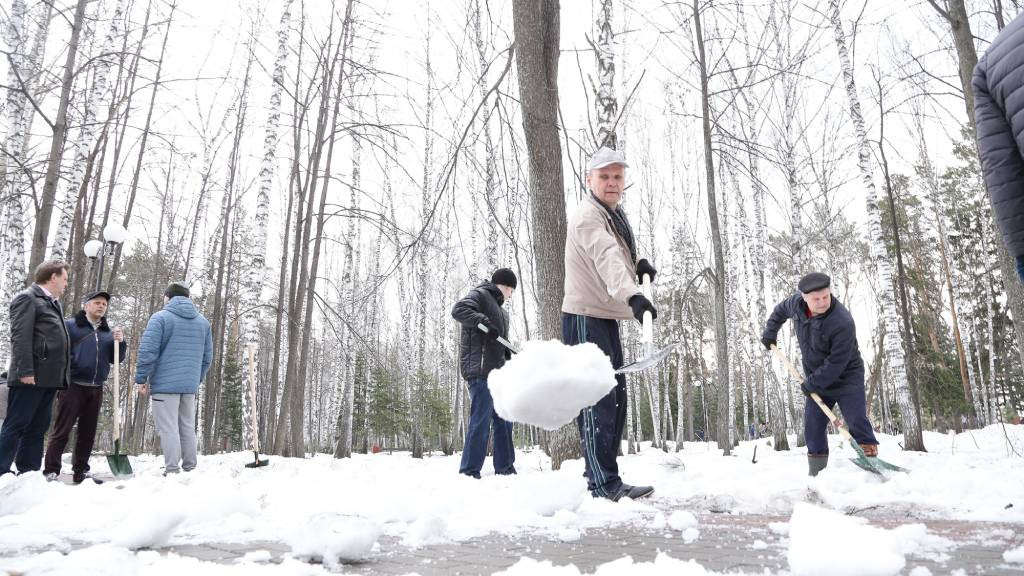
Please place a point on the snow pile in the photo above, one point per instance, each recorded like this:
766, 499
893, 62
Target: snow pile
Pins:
334, 540
828, 542
1016, 555
548, 383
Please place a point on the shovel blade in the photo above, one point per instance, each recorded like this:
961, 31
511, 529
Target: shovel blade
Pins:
257, 462
120, 467
646, 362
876, 465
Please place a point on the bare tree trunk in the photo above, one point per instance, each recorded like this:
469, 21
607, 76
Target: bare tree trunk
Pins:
536, 26
718, 279
59, 126
605, 104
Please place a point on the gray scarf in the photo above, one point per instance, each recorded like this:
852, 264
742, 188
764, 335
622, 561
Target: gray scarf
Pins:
621, 226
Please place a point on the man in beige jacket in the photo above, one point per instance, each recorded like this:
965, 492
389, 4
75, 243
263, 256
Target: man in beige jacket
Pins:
601, 288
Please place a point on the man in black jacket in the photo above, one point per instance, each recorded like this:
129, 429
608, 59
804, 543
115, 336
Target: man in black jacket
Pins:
479, 353
833, 367
998, 103
92, 353
39, 366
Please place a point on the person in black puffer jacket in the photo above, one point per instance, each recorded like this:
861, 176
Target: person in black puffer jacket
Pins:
479, 353
998, 104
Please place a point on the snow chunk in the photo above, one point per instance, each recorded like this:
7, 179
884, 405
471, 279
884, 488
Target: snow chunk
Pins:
920, 571
826, 542
681, 520
1016, 555
426, 530
548, 383
334, 540
148, 528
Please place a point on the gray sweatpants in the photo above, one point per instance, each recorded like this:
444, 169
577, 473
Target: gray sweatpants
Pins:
175, 419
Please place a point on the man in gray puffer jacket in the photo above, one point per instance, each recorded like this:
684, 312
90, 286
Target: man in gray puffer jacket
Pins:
998, 104
175, 353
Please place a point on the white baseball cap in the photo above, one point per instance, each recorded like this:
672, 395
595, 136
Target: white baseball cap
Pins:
606, 157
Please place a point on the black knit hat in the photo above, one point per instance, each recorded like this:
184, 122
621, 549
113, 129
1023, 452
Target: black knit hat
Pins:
814, 281
504, 276
176, 289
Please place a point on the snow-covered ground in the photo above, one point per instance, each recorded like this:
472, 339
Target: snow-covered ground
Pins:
334, 510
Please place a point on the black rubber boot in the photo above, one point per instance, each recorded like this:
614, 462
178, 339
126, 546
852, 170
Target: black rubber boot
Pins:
816, 463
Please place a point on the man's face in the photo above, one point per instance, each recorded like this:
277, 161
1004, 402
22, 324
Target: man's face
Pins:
607, 183
506, 291
96, 308
819, 300
58, 283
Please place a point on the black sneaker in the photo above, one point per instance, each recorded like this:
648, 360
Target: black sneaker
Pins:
79, 478
633, 492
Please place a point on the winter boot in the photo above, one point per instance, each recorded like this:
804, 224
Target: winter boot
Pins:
816, 463
870, 450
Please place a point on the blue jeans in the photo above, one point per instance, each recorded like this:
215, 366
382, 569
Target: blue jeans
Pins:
29, 409
854, 413
481, 414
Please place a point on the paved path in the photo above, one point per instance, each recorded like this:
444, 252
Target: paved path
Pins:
727, 543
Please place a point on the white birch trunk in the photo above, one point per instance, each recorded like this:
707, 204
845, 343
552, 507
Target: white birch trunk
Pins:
12, 236
883, 268
97, 98
605, 104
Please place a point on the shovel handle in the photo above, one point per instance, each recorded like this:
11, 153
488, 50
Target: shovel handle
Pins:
117, 393
647, 325
501, 340
814, 395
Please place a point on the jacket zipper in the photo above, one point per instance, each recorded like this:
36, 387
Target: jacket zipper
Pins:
96, 365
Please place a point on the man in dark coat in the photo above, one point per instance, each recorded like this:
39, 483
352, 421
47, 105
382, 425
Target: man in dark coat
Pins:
833, 367
479, 353
998, 104
38, 368
92, 353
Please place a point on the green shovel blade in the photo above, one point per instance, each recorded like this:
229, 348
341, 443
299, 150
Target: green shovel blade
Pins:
120, 467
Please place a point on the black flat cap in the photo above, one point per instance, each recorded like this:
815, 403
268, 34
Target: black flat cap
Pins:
814, 281
96, 294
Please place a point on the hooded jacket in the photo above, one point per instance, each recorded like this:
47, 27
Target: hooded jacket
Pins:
176, 349
92, 350
478, 354
600, 275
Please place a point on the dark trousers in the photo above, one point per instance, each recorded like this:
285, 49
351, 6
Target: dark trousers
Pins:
28, 416
481, 416
852, 404
600, 425
79, 404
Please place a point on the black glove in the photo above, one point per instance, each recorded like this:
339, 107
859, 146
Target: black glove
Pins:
805, 389
639, 304
644, 267
508, 354
768, 342
491, 333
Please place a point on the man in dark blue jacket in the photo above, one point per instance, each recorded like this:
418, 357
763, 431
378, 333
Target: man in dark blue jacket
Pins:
833, 367
479, 353
998, 103
92, 353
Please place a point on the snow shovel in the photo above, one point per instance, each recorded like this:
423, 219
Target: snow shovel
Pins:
651, 356
120, 467
254, 422
870, 463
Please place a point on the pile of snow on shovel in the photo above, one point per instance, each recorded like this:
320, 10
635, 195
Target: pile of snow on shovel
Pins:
547, 383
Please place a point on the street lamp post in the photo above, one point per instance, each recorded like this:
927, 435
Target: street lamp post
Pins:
113, 234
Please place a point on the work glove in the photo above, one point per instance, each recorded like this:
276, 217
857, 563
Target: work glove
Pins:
640, 304
508, 354
492, 332
644, 267
768, 343
805, 389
